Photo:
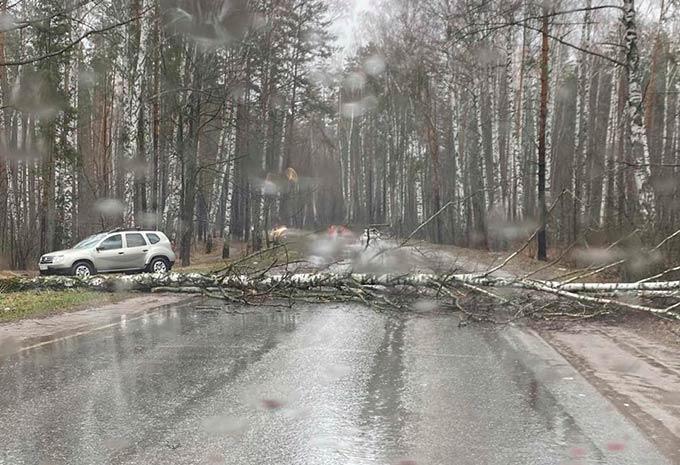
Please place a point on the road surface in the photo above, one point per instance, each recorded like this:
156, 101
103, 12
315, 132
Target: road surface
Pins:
199, 383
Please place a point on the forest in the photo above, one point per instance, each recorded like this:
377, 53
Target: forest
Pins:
221, 119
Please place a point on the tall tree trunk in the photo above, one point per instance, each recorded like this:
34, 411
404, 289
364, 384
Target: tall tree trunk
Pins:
156, 117
190, 155
636, 134
541, 237
583, 94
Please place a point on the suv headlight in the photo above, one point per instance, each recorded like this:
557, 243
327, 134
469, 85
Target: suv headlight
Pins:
58, 259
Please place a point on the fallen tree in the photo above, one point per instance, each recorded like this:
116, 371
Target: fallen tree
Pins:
242, 284
383, 290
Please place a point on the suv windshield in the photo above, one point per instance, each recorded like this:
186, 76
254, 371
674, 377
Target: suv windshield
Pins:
89, 241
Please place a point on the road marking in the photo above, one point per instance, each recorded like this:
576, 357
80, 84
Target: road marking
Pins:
123, 320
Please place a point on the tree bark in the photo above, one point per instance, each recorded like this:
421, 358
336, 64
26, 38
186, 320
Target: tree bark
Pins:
541, 237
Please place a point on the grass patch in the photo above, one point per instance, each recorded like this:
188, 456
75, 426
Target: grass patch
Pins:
32, 304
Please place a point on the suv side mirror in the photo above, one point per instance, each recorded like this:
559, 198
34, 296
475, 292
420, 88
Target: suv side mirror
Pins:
99, 249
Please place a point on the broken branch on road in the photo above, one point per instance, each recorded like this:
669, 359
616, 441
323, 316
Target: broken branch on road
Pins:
382, 291
266, 278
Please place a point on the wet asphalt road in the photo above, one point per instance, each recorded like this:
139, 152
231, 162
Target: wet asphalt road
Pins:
318, 385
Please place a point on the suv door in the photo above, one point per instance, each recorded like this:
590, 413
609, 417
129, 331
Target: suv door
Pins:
136, 250
110, 255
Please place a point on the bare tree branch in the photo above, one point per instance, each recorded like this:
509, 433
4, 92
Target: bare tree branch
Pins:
73, 43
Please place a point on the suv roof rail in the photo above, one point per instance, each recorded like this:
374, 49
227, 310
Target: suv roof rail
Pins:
115, 230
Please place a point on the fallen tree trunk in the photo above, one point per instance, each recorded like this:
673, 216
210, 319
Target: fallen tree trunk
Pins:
148, 281
111, 283
386, 289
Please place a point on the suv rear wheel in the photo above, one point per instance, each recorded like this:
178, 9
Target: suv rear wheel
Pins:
159, 265
82, 270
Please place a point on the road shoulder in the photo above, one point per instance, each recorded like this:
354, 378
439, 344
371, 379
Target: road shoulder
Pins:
25, 334
636, 368
572, 388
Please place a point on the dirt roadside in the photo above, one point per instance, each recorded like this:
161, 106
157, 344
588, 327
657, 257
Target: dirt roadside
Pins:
634, 361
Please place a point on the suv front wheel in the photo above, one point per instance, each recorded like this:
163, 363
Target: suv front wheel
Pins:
159, 265
82, 270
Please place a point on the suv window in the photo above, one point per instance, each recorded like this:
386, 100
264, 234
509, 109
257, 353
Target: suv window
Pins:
153, 238
112, 243
135, 240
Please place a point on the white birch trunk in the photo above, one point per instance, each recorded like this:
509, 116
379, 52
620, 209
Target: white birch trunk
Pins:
635, 111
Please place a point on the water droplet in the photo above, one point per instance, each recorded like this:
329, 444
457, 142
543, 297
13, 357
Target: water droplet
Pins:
147, 219
7, 22
225, 425
110, 207
353, 109
425, 306
577, 452
374, 65
354, 82
615, 446
272, 404
115, 444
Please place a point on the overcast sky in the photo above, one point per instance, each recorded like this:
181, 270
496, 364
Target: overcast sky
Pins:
350, 30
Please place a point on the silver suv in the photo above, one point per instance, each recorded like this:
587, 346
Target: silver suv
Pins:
114, 251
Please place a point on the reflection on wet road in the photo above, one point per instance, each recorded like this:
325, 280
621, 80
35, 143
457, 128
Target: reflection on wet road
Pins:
318, 385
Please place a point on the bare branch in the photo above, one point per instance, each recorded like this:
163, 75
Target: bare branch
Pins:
73, 43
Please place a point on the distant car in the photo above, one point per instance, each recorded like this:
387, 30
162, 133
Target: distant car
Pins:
114, 251
340, 232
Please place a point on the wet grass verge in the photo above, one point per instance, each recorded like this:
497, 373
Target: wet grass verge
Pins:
37, 304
